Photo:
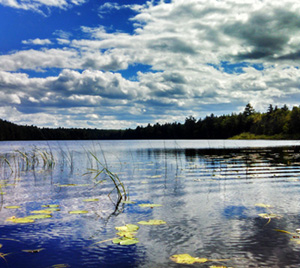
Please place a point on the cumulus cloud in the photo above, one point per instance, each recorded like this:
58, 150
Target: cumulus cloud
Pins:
38, 5
185, 43
37, 41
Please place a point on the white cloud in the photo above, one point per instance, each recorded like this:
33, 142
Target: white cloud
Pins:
37, 5
186, 42
37, 41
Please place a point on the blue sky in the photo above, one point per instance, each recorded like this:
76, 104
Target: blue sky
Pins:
120, 64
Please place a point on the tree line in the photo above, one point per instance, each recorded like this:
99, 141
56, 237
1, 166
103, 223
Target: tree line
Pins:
275, 123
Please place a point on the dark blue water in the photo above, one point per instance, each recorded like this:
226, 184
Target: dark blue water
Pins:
209, 191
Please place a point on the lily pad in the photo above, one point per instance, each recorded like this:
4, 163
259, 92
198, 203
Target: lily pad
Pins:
12, 207
127, 234
152, 222
38, 216
263, 205
128, 242
91, 200
269, 215
187, 259
78, 212
19, 220
61, 265
149, 205
128, 228
127, 202
33, 250
43, 211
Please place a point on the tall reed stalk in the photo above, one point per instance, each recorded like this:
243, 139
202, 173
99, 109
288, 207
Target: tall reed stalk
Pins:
119, 186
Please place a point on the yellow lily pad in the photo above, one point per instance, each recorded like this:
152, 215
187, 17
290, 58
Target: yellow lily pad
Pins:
152, 222
127, 202
127, 234
128, 228
33, 250
91, 200
149, 205
78, 212
19, 220
128, 242
38, 216
269, 215
61, 265
263, 205
43, 211
187, 259
12, 207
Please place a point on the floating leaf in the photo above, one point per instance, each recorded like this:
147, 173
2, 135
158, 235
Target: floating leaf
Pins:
38, 216
19, 220
78, 212
43, 211
127, 202
117, 240
91, 200
62, 265
128, 242
262, 205
269, 215
12, 207
152, 222
1, 245
50, 206
187, 259
155, 176
297, 241
149, 205
126, 234
33, 250
128, 228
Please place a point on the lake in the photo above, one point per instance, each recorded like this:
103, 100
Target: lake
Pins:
228, 203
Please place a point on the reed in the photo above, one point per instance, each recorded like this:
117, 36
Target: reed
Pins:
103, 170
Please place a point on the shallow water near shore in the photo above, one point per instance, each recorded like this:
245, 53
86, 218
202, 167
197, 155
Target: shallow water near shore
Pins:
236, 203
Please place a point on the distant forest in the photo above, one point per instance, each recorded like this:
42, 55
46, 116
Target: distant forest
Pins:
275, 123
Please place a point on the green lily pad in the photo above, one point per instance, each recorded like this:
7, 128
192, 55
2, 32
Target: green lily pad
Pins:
127, 234
149, 205
91, 200
269, 215
187, 259
19, 220
12, 207
152, 222
262, 205
117, 240
78, 212
43, 211
38, 216
127, 202
128, 228
128, 242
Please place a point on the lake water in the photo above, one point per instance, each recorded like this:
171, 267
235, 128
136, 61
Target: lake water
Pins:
223, 200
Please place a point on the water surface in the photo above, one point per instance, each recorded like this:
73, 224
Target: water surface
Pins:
209, 191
